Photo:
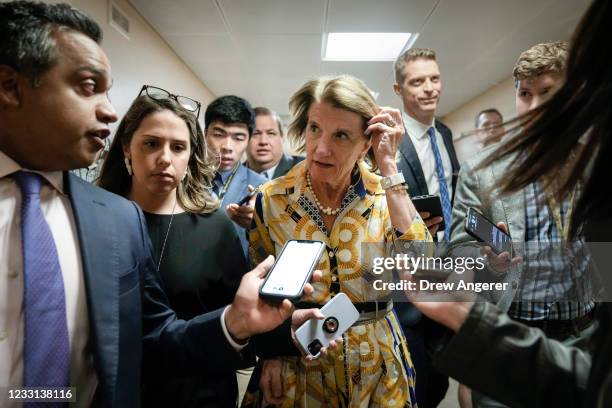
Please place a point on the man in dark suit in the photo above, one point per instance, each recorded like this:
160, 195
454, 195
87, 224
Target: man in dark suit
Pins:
265, 151
230, 122
429, 164
82, 303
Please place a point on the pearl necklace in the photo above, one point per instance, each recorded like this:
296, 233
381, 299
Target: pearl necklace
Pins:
324, 210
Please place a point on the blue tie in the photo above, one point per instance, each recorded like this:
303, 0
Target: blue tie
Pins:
46, 346
444, 196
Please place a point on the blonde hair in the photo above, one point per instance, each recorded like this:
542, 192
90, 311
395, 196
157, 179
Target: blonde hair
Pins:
541, 58
343, 92
411, 54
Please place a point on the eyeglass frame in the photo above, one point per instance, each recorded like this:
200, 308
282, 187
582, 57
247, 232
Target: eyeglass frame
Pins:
172, 96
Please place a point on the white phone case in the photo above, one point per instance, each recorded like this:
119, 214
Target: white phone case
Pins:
340, 308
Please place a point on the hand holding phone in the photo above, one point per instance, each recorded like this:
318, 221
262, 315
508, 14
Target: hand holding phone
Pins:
247, 198
499, 250
339, 315
478, 226
430, 204
292, 270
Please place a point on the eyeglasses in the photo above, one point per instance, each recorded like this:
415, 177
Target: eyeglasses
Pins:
158, 94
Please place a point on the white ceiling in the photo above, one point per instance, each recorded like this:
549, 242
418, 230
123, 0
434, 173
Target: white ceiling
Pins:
263, 50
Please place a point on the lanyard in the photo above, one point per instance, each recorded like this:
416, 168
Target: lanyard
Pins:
225, 185
555, 209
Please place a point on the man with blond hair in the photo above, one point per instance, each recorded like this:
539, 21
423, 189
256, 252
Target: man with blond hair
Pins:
537, 223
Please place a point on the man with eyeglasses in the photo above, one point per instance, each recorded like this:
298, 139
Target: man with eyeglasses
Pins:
81, 304
229, 123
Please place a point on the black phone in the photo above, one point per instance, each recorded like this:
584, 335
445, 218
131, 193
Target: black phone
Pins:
247, 197
431, 204
292, 270
478, 226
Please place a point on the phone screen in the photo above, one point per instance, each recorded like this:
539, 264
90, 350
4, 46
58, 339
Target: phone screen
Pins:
292, 268
488, 233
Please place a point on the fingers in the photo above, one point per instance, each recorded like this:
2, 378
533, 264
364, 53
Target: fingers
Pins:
262, 269
271, 382
433, 221
285, 309
317, 276
300, 316
276, 386
424, 215
502, 226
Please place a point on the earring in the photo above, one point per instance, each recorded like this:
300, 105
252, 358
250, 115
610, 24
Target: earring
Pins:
128, 166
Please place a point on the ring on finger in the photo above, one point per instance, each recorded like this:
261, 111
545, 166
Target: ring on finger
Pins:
390, 123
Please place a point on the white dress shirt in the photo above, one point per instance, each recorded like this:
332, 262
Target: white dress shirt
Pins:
270, 172
57, 211
420, 138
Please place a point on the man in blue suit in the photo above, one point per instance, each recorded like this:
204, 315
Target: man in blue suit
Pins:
81, 304
230, 121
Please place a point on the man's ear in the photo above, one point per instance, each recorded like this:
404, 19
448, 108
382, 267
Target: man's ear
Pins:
397, 89
9, 88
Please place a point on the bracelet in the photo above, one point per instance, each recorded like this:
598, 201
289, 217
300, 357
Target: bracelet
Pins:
399, 187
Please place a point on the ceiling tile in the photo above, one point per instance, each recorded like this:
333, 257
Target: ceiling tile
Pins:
274, 16
181, 16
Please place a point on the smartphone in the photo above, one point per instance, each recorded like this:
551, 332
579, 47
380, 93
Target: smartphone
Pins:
247, 198
431, 204
314, 334
292, 270
485, 231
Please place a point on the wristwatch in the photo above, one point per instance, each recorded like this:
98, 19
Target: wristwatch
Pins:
394, 180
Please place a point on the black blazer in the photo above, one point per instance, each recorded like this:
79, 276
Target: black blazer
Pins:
129, 317
285, 164
410, 165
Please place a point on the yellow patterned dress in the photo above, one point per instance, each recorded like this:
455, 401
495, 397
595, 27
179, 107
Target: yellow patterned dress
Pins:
373, 368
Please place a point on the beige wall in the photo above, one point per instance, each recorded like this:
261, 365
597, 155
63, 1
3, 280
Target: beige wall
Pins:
461, 120
143, 59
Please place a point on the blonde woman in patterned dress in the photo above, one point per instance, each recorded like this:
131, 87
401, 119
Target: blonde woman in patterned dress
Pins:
333, 196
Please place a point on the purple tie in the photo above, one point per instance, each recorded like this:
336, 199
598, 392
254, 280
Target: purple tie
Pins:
46, 347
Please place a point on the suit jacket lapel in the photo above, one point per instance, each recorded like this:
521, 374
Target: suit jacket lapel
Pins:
411, 158
97, 237
513, 204
236, 188
283, 166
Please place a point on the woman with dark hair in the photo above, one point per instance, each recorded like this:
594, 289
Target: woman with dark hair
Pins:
159, 159
565, 141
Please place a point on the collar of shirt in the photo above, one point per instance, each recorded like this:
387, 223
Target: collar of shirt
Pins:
223, 175
9, 166
270, 171
415, 128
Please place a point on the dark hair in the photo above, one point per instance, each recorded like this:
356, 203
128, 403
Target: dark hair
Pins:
263, 111
193, 192
482, 112
230, 109
27, 30
577, 113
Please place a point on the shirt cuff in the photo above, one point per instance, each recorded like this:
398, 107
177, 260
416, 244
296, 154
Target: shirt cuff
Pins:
228, 336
